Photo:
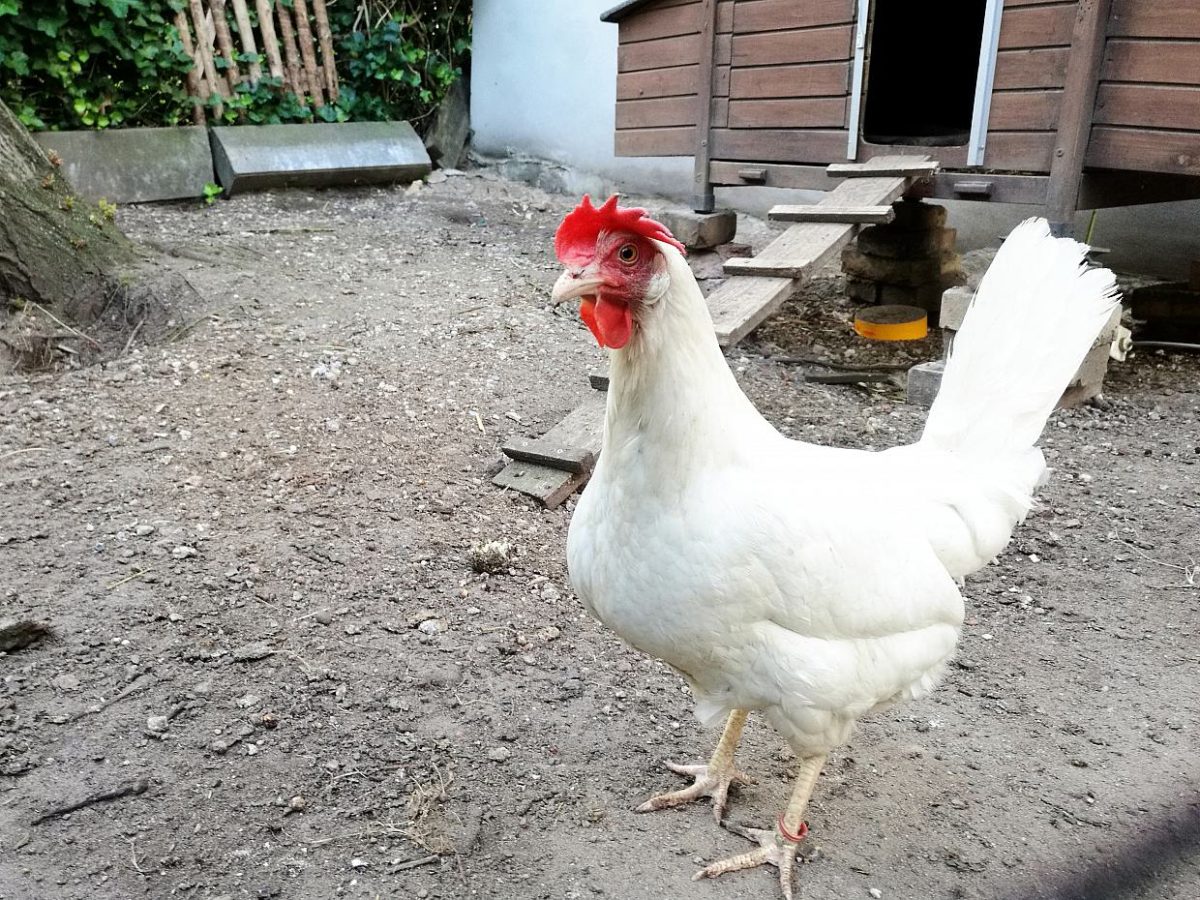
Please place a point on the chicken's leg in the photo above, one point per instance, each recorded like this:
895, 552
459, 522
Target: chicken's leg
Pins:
778, 844
712, 780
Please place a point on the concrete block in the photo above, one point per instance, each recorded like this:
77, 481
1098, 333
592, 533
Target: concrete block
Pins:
253, 157
924, 381
447, 139
700, 231
895, 243
955, 301
133, 165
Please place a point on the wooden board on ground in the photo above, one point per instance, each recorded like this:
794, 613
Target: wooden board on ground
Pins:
740, 304
581, 430
851, 215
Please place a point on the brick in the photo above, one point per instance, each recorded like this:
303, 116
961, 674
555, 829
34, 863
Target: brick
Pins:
700, 231
134, 165
895, 243
955, 301
924, 381
253, 157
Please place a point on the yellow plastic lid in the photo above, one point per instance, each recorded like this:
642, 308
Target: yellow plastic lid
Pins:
892, 323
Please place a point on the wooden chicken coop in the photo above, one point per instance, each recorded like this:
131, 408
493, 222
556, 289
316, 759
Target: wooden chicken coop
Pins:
1069, 104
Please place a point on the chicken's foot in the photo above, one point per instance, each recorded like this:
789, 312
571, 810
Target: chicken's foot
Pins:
712, 780
778, 845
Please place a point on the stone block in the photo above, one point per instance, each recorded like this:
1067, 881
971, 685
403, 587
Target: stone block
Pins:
133, 165
447, 139
927, 296
916, 215
253, 157
940, 270
700, 231
955, 301
862, 290
895, 243
924, 381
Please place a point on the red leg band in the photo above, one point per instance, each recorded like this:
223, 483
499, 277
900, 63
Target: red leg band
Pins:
801, 832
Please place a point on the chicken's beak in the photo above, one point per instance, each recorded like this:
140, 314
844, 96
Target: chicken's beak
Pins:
574, 283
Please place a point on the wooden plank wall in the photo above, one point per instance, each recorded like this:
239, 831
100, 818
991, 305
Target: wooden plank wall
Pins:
1031, 66
1147, 115
658, 61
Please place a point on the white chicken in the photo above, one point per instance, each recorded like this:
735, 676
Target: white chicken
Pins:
810, 583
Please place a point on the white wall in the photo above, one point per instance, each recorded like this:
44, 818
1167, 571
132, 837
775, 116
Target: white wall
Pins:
543, 84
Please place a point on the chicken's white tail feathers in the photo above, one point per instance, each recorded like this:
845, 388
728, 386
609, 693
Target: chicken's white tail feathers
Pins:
1038, 311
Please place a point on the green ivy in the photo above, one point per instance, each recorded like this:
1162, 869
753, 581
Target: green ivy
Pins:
120, 63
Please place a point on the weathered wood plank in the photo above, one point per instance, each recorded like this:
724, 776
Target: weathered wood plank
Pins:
816, 212
741, 304
676, 81
1175, 108
1019, 151
1024, 110
1164, 62
813, 80
1021, 69
883, 166
660, 22
806, 112
810, 45
779, 175
1155, 19
569, 459
679, 141
1175, 152
660, 53
781, 15
778, 145
1039, 26
583, 428
662, 112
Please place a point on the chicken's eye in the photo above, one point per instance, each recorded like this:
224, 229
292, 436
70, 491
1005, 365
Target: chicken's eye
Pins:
628, 254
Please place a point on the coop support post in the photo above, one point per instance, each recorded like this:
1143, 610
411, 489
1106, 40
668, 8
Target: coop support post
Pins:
856, 88
1075, 117
703, 199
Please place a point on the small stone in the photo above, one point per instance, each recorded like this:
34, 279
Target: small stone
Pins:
431, 626
144, 530
158, 724
358, 863
876, 893
219, 747
183, 552
499, 754
252, 651
246, 701
324, 617
333, 765
66, 682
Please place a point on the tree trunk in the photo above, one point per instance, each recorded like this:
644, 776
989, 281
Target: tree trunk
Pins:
54, 247
64, 265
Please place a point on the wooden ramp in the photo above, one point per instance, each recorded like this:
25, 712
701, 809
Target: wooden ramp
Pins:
553, 467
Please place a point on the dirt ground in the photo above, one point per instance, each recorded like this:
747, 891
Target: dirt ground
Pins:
251, 540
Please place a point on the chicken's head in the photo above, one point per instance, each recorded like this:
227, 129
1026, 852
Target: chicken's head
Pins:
614, 264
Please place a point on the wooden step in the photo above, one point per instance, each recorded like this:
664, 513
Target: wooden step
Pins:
819, 212
907, 167
740, 304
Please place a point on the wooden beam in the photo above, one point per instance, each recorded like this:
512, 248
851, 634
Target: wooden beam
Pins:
569, 459
582, 429
702, 189
741, 304
882, 166
850, 215
1075, 116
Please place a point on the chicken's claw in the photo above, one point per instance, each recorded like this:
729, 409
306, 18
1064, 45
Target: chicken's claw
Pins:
708, 783
774, 849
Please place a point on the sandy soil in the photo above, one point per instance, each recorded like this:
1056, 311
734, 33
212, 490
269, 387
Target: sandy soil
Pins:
251, 540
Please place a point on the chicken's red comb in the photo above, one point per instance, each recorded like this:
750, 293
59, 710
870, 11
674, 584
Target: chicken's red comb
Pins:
575, 240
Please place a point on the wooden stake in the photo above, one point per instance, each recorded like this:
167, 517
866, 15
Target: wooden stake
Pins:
308, 52
325, 36
246, 36
204, 48
225, 42
295, 81
195, 86
270, 42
